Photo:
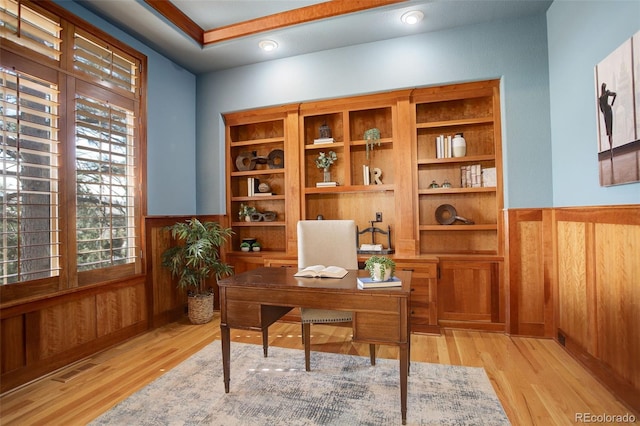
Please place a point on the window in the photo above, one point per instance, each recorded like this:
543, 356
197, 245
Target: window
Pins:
105, 164
29, 178
70, 152
27, 27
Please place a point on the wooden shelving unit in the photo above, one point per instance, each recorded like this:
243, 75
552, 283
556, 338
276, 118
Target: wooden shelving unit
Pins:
473, 110
348, 120
264, 135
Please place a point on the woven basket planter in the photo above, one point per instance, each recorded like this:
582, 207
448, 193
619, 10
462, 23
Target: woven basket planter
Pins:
200, 308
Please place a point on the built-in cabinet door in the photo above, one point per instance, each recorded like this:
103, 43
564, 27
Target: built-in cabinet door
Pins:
469, 294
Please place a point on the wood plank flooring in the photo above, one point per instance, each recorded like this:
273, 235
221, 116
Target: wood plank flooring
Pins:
537, 382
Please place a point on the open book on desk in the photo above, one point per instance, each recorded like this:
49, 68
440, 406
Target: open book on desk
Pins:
367, 282
321, 271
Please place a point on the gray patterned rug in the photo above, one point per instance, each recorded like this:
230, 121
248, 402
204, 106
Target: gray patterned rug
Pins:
340, 390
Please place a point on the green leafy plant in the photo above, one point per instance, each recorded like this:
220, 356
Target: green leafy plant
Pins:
371, 137
324, 161
246, 211
384, 262
196, 255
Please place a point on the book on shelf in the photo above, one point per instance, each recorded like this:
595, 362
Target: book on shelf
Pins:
371, 247
444, 147
471, 176
326, 184
262, 194
489, 177
321, 141
321, 271
252, 186
367, 282
366, 174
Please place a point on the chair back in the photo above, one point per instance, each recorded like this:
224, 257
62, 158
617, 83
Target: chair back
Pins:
328, 243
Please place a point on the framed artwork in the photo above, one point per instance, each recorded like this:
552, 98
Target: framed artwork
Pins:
617, 80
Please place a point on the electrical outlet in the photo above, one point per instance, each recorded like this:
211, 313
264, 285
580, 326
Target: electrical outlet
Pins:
378, 216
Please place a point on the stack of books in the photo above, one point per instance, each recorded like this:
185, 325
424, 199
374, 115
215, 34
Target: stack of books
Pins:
470, 176
489, 177
367, 282
320, 141
443, 147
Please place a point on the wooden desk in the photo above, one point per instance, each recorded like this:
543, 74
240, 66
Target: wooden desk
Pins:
255, 299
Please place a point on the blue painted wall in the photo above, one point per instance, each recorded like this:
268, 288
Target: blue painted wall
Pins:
515, 51
581, 34
171, 132
549, 136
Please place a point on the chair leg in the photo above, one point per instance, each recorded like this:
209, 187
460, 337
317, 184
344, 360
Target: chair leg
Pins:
372, 354
265, 341
306, 335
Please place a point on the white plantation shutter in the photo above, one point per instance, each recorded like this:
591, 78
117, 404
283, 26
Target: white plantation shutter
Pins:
26, 27
105, 185
101, 61
30, 234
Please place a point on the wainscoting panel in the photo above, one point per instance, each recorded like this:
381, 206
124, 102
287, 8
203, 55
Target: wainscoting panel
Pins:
598, 287
574, 275
575, 312
529, 270
617, 278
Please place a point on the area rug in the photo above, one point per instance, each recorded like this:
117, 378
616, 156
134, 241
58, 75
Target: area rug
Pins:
340, 390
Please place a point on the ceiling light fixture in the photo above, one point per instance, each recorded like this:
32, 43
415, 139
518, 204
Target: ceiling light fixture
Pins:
268, 45
413, 17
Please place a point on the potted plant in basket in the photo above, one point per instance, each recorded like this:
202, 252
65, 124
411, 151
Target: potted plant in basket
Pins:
194, 258
380, 268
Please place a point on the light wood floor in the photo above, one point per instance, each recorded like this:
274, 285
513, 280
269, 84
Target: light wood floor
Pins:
537, 382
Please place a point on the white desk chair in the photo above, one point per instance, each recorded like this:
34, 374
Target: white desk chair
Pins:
329, 243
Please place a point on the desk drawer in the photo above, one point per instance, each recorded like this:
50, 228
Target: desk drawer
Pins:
376, 327
243, 314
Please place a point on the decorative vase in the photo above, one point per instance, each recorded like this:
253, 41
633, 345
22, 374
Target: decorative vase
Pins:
326, 176
200, 308
377, 274
459, 145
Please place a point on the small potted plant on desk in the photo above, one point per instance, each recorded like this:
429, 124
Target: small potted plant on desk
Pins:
194, 258
381, 268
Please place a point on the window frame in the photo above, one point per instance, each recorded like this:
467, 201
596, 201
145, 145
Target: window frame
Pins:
70, 82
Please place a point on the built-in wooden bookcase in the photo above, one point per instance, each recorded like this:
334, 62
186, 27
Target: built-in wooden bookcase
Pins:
257, 149
474, 110
458, 267
352, 198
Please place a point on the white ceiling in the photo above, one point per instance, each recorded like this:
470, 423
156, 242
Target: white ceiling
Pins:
143, 22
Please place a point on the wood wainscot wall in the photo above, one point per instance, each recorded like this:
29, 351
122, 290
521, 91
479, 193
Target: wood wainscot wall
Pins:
45, 332
574, 275
40, 336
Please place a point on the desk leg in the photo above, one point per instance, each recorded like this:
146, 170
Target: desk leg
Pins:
265, 341
225, 336
404, 370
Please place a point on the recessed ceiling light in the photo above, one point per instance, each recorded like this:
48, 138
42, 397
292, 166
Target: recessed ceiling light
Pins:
268, 45
413, 17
